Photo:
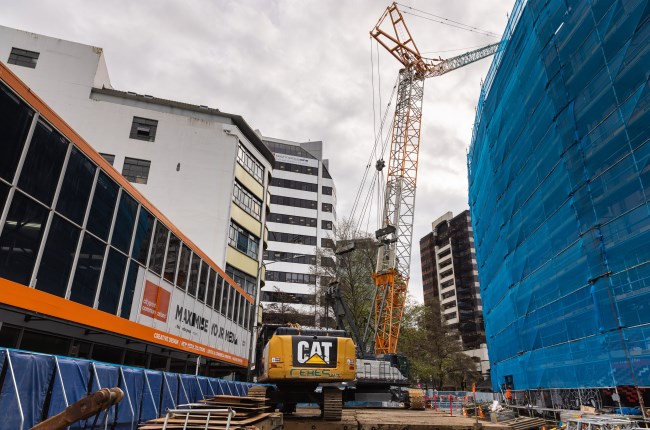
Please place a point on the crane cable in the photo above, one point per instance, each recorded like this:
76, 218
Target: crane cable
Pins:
365, 201
447, 21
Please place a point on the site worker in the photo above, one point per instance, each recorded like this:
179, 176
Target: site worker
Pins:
508, 396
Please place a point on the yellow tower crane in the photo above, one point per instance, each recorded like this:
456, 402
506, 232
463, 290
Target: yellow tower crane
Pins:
393, 262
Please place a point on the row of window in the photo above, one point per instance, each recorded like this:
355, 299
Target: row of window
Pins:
449, 305
447, 284
294, 185
450, 316
250, 163
71, 231
292, 238
241, 239
294, 202
297, 278
244, 280
296, 168
446, 273
289, 257
247, 201
283, 148
283, 297
448, 294
292, 219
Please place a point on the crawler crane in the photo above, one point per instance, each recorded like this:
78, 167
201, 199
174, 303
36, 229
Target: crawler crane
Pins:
393, 262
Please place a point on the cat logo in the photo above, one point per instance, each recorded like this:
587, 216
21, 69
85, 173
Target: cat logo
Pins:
315, 351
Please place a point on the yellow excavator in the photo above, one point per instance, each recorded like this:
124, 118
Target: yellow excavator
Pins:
306, 366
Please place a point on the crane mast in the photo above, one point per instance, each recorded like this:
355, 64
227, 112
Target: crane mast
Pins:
396, 234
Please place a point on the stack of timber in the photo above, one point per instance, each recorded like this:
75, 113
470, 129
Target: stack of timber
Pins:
219, 413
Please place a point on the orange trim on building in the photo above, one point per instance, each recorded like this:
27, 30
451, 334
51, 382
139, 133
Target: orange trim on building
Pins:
57, 122
30, 299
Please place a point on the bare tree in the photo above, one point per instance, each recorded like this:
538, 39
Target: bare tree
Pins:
351, 270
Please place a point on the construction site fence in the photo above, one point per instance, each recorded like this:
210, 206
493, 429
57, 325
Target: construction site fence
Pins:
34, 387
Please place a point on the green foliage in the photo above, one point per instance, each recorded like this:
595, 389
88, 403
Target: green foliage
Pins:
434, 350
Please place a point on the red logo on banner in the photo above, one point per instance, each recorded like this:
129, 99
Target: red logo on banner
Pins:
155, 302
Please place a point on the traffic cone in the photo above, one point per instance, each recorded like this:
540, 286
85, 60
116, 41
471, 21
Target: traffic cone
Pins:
464, 412
480, 412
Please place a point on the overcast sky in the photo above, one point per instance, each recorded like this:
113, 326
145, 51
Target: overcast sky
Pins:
294, 69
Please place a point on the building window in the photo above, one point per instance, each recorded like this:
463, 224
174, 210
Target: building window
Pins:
143, 129
296, 278
326, 225
327, 243
292, 238
245, 200
448, 294
289, 257
108, 157
294, 185
326, 207
136, 170
327, 190
294, 202
248, 162
247, 282
242, 240
296, 168
450, 316
22, 57
292, 219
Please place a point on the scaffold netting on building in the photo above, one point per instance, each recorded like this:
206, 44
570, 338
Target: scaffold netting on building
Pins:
559, 190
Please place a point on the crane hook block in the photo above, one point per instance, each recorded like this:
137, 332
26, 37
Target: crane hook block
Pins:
380, 165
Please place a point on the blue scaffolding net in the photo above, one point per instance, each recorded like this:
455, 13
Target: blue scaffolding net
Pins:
38, 386
559, 185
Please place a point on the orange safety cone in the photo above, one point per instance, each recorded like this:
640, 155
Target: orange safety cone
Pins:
464, 412
480, 412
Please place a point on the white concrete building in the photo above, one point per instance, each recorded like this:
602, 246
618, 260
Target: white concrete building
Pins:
206, 170
302, 219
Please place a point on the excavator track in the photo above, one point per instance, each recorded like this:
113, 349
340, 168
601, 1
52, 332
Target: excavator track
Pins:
332, 404
416, 399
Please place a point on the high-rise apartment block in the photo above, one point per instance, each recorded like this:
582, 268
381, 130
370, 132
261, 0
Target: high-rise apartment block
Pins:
302, 220
450, 281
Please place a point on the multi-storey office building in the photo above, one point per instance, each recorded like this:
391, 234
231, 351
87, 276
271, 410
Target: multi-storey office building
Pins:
90, 268
207, 170
558, 189
302, 219
449, 274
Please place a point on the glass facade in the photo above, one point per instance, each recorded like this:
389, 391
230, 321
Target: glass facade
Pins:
71, 230
559, 179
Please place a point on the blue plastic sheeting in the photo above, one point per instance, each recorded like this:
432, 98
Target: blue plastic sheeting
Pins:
59, 381
24, 388
70, 383
559, 191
